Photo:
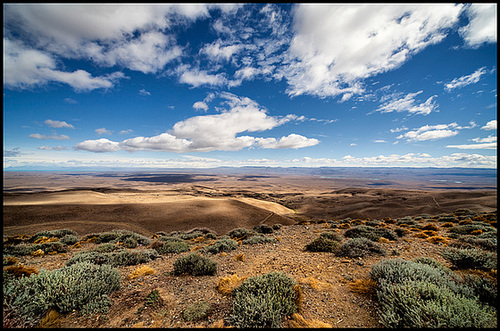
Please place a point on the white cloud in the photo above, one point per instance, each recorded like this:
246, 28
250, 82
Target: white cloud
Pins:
337, 46
491, 125
475, 146
71, 101
144, 92
465, 80
126, 131
58, 124
431, 132
196, 77
482, 27
488, 139
200, 105
98, 146
407, 103
216, 51
43, 137
214, 132
24, 67
102, 131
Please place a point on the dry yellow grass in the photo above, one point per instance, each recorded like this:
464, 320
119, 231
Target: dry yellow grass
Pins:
364, 286
44, 240
226, 285
315, 283
298, 321
141, 271
437, 240
38, 253
240, 257
20, 270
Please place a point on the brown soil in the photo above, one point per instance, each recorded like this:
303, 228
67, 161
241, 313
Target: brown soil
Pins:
302, 208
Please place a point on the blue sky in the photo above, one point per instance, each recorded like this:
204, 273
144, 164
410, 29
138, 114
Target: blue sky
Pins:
205, 85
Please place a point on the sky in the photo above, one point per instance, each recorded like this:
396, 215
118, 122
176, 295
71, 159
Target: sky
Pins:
136, 86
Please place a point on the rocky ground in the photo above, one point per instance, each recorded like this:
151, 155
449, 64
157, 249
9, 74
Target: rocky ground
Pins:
328, 282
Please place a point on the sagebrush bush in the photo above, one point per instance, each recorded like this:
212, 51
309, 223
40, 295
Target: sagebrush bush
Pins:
472, 258
69, 239
470, 228
23, 249
194, 264
323, 244
53, 233
359, 247
369, 232
263, 228
197, 311
221, 245
426, 294
121, 257
241, 233
484, 241
106, 248
258, 239
82, 286
331, 235
172, 247
115, 236
264, 301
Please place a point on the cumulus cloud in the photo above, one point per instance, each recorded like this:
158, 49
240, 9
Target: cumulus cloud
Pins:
491, 125
56, 148
58, 124
214, 132
396, 103
482, 27
465, 80
352, 43
475, 146
43, 137
432, 132
98, 146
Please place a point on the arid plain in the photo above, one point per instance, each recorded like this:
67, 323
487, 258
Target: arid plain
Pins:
306, 202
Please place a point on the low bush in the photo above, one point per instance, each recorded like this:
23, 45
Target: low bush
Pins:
263, 228
69, 239
53, 233
82, 286
426, 294
331, 235
473, 227
241, 233
472, 258
359, 247
121, 257
194, 264
23, 249
323, 244
106, 248
197, 311
264, 301
116, 236
369, 232
221, 245
171, 247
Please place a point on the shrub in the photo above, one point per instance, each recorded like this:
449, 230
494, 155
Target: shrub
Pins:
130, 242
82, 286
264, 301
322, 244
482, 241
153, 298
426, 294
221, 245
69, 239
194, 264
172, 247
258, 239
469, 228
401, 232
106, 247
116, 236
197, 311
241, 233
53, 233
120, 257
369, 232
472, 258
263, 228
22, 249
359, 247
170, 238
331, 235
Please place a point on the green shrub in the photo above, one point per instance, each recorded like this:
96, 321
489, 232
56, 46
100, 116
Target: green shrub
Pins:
420, 304
170, 238
323, 244
472, 258
172, 247
130, 242
197, 311
359, 247
427, 294
53, 233
116, 236
331, 235
433, 263
82, 286
264, 301
152, 299
486, 289
481, 241
241, 233
121, 257
69, 239
106, 248
23, 249
263, 228
469, 228
258, 239
369, 232
221, 245
194, 264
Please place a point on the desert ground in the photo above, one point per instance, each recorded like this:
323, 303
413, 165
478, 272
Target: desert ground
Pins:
303, 204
